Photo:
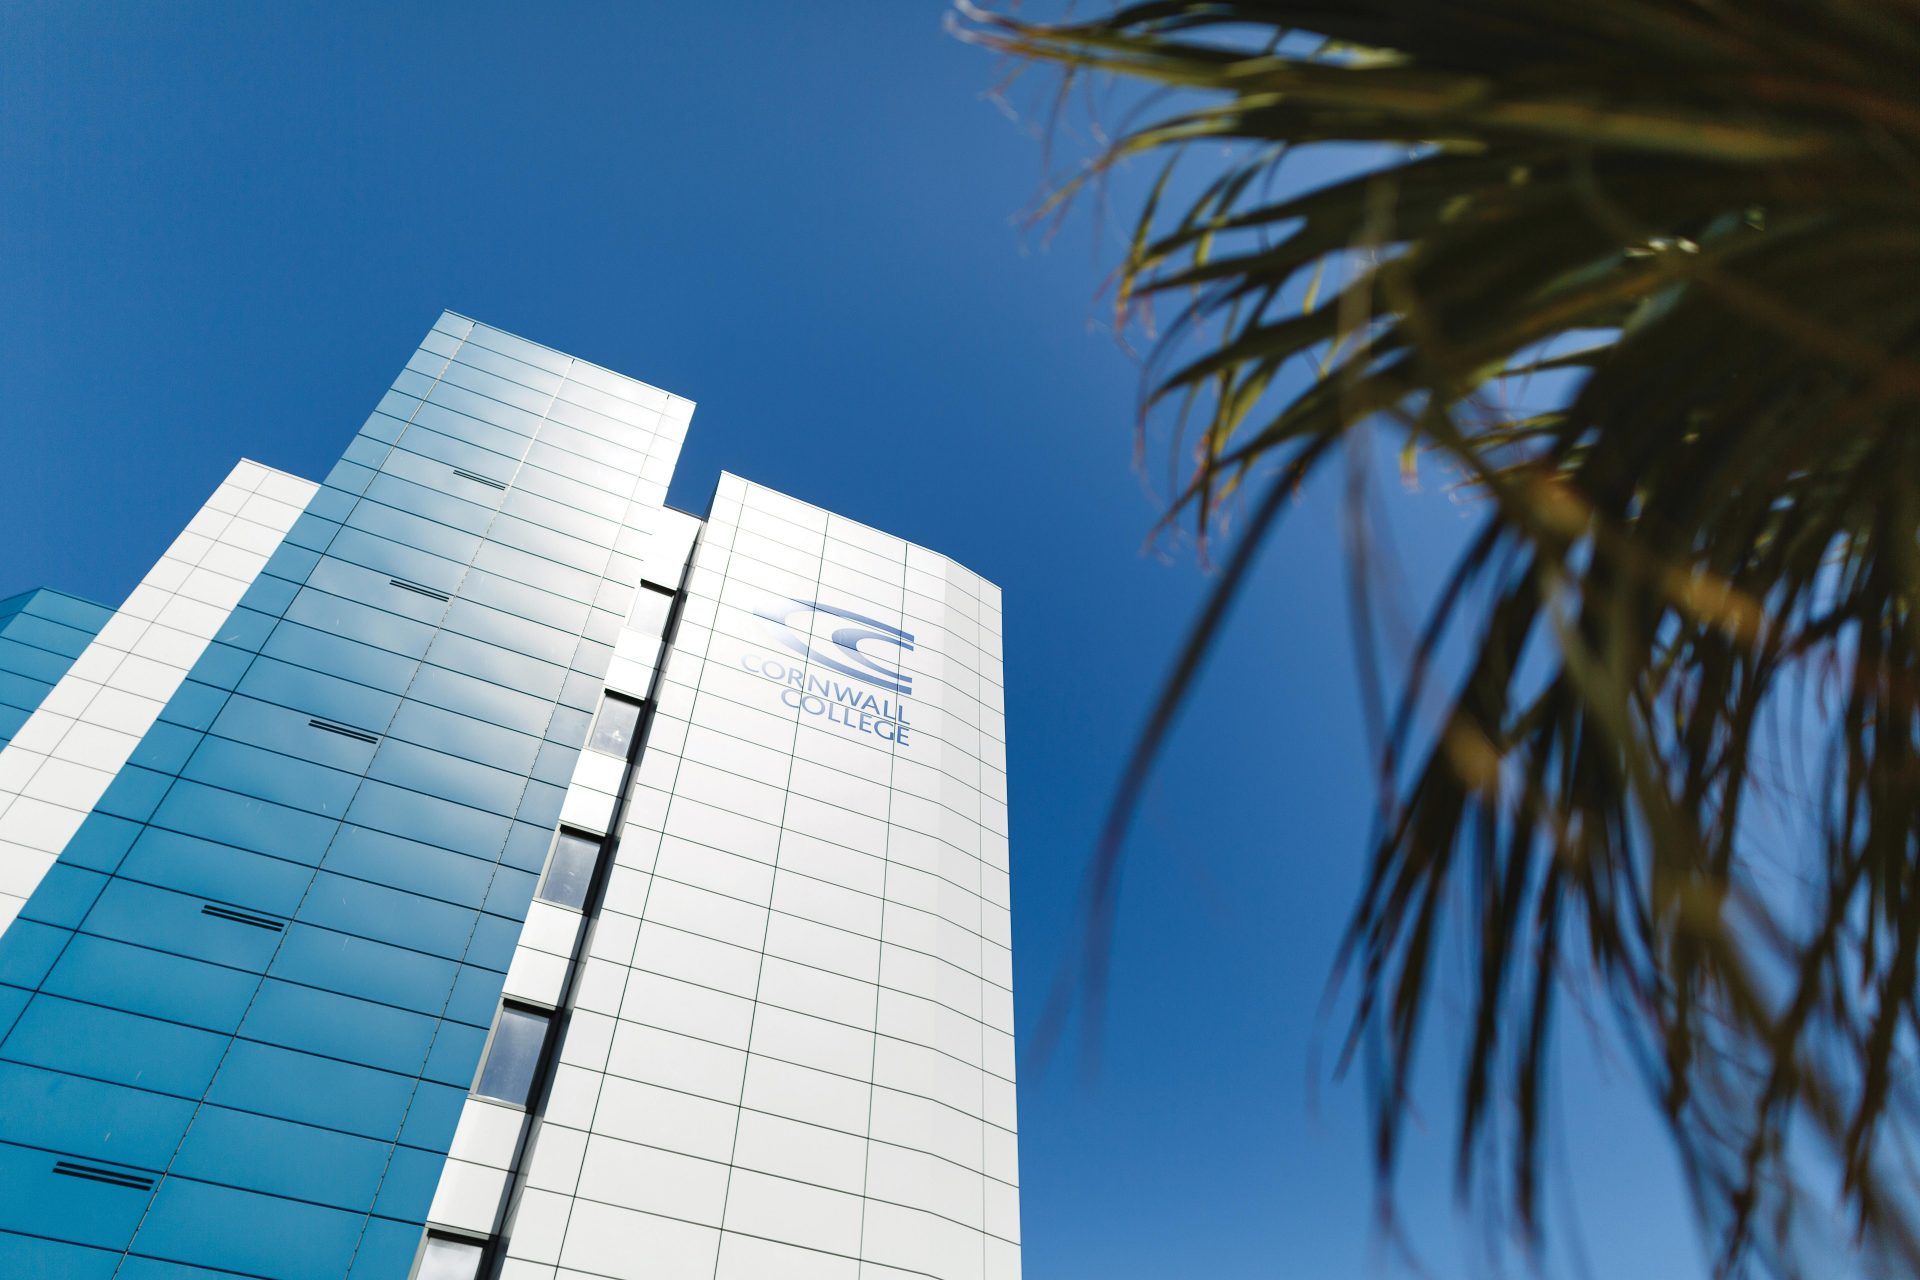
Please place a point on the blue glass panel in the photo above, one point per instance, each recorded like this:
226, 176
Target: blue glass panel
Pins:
581, 690
349, 659
46, 633
388, 915
139, 980
301, 1086
447, 776
168, 921
408, 864
101, 842
249, 721
71, 610
493, 942
495, 626
336, 616
12, 1001
21, 691
456, 1051
471, 448
511, 892
313, 532
302, 688
464, 695
349, 477
436, 1107
109, 1045
281, 1158
231, 818
64, 896
220, 872
386, 1249
166, 747
411, 1180
256, 1232
362, 967
414, 531
194, 705
384, 426
90, 1118
541, 804
539, 680
276, 778
221, 665
389, 557
51, 1259
134, 792
427, 818
39, 665
330, 504
428, 726
476, 994
28, 950
290, 564
401, 488
555, 763
339, 1026
138, 1268
249, 624
523, 601
569, 726
527, 847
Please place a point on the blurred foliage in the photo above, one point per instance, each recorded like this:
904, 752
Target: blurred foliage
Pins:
1700, 222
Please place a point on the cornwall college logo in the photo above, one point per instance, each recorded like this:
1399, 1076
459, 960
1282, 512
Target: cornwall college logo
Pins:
810, 686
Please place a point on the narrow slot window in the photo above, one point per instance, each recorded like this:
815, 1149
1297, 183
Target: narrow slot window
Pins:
513, 1059
450, 1258
613, 731
570, 870
652, 606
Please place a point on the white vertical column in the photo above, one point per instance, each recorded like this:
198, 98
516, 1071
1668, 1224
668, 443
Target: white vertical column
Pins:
67, 753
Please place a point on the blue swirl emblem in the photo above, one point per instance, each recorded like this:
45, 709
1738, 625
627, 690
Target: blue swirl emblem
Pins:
842, 652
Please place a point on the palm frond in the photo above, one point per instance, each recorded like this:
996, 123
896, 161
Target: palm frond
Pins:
1704, 220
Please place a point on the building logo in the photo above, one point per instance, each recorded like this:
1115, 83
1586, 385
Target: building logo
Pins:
842, 651
810, 686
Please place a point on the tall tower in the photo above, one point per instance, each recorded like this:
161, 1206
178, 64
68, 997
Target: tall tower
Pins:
470, 866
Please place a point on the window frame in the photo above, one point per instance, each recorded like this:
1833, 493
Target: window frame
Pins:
560, 836
483, 1263
608, 700
537, 1072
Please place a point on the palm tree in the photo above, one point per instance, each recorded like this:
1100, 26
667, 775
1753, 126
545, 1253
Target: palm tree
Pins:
1698, 564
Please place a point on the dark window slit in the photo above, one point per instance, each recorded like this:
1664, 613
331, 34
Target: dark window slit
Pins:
654, 586
358, 735
242, 917
113, 1177
419, 590
468, 475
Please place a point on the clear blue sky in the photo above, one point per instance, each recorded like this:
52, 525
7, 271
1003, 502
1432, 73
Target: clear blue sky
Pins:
223, 227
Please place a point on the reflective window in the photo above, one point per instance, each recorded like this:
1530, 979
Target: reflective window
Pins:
650, 609
570, 870
613, 731
514, 1055
447, 1258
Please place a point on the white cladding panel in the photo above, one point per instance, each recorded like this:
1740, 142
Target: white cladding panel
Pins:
791, 1045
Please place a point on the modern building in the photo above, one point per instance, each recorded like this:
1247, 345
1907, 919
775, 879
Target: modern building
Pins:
471, 866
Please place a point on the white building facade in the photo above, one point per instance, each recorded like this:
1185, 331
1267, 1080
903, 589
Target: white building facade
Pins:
470, 866
788, 1048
